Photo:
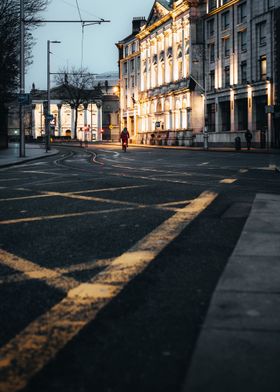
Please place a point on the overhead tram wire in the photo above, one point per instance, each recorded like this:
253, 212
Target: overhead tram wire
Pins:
83, 33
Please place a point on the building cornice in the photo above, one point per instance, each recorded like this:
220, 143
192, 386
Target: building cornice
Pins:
172, 15
222, 8
131, 56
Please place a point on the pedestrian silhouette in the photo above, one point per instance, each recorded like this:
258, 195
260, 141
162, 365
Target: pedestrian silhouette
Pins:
248, 137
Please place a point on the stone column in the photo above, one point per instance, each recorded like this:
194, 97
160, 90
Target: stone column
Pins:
188, 116
147, 68
166, 66
85, 114
151, 65
250, 108
73, 131
99, 120
174, 54
59, 106
33, 121
159, 82
232, 111
142, 85
184, 49
217, 115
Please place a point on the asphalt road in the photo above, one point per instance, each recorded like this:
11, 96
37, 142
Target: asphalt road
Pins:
108, 262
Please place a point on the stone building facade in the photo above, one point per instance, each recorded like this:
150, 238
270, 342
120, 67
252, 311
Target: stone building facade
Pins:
97, 120
240, 70
129, 74
208, 66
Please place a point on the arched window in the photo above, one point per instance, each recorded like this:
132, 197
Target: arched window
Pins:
169, 52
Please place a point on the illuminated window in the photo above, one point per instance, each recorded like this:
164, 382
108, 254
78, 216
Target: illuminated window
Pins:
263, 67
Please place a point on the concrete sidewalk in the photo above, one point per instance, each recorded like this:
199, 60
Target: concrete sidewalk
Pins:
10, 156
239, 347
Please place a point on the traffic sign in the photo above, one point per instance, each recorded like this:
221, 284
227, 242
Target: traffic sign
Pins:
24, 99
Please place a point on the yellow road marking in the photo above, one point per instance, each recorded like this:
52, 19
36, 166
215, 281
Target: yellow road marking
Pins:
228, 181
92, 198
173, 203
48, 194
38, 343
34, 271
60, 216
25, 197
9, 260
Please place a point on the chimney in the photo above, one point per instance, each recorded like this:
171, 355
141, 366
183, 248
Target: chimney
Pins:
137, 23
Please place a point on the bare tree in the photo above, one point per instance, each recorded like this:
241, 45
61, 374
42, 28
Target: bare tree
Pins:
10, 48
76, 89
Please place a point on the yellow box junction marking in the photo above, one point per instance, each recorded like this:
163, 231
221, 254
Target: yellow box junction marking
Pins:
27, 353
228, 181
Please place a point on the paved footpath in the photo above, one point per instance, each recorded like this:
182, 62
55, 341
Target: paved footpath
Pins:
10, 156
239, 347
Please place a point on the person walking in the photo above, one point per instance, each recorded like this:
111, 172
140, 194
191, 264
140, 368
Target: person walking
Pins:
248, 137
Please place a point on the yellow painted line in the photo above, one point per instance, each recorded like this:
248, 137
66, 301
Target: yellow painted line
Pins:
84, 266
32, 270
28, 271
92, 198
25, 197
172, 203
40, 341
69, 193
110, 189
228, 181
62, 216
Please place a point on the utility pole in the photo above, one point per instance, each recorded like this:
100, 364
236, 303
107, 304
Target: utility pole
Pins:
48, 111
22, 83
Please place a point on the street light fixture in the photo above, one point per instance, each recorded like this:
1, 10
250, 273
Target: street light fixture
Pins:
22, 83
48, 117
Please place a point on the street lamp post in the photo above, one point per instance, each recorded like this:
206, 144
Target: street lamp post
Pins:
22, 83
48, 114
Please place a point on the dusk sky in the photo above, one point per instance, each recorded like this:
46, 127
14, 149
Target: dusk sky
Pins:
100, 52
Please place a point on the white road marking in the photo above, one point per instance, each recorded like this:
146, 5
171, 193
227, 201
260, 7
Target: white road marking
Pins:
40, 341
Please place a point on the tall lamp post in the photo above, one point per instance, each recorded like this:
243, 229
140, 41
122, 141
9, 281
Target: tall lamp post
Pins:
48, 116
22, 83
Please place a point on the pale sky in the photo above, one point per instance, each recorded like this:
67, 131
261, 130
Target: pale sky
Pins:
100, 52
